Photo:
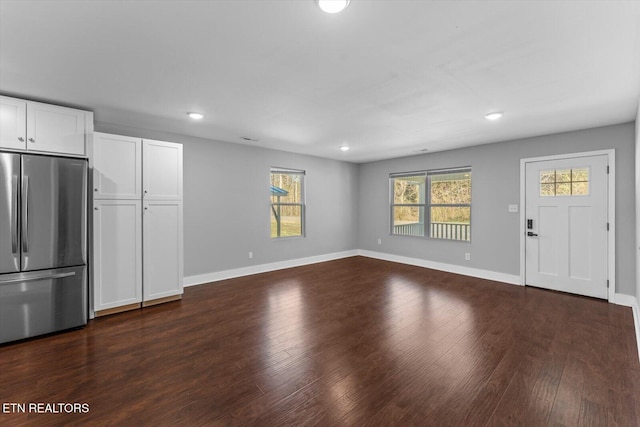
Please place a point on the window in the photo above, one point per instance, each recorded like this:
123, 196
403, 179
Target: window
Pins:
287, 203
408, 204
440, 198
564, 182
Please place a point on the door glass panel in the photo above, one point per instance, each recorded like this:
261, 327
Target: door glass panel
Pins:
563, 189
548, 176
580, 174
547, 189
563, 175
580, 189
564, 182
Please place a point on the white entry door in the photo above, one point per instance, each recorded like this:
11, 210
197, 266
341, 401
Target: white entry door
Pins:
566, 225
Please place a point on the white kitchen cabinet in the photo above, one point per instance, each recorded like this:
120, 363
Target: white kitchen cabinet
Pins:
117, 242
162, 250
122, 167
55, 129
162, 172
39, 127
13, 125
117, 166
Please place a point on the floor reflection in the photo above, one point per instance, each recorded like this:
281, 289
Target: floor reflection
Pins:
284, 327
419, 318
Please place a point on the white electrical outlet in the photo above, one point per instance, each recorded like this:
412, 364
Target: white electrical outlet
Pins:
467, 256
379, 241
250, 255
513, 208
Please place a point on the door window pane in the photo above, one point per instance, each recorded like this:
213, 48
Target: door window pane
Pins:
580, 189
564, 182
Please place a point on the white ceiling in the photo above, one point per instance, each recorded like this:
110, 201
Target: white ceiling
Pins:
388, 78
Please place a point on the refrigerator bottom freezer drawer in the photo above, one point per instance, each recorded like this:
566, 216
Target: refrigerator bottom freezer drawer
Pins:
40, 302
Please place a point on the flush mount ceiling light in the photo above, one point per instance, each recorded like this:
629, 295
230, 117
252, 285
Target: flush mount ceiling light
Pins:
344, 147
332, 6
195, 116
495, 115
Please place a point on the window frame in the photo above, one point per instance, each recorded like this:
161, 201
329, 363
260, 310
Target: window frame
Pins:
427, 205
301, 204
393, 205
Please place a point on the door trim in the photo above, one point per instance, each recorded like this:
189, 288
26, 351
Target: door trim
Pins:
611, 211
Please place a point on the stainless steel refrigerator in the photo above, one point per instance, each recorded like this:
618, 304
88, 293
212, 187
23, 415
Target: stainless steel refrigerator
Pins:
43, 272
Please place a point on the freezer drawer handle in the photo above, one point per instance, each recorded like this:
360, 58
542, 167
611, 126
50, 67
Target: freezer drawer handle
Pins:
25, 215
14, 216
38, 277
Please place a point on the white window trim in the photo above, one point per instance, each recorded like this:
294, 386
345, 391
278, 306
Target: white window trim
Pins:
302, 204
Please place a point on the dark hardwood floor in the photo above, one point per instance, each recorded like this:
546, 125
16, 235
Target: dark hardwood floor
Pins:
350, 342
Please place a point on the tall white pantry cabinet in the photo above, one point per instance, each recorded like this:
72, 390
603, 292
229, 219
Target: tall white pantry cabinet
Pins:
137, 222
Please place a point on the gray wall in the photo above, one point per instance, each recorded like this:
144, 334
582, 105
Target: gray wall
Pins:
226, 203
348, 204
636, 249
496, 184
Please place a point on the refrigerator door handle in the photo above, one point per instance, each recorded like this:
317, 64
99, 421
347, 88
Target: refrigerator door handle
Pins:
14, 216
25, 214
35, 277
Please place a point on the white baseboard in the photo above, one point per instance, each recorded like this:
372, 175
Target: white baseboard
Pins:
630, 301
513, 279
263, 268
626, 300
636, 322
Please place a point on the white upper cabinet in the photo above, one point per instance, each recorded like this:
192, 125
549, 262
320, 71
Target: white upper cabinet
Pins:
117, 167
55, 129
13, 127
162, 172
34, 126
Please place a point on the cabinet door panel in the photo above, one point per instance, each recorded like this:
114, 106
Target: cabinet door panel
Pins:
163, 259
162, 179
117, 268
55, 129
13, 125
117, 167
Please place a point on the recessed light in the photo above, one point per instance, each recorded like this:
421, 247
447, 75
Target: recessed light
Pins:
344, 148
195, 116
495, 115
332, 6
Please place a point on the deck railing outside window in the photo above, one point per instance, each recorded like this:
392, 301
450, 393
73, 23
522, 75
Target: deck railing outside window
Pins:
439, 230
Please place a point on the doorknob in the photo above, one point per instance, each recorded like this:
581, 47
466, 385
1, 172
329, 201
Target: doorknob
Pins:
531, 234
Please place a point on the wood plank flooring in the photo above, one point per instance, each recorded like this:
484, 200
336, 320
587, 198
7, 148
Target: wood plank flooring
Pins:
351, 342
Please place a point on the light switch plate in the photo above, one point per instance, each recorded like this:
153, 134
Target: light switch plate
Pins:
513, 208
